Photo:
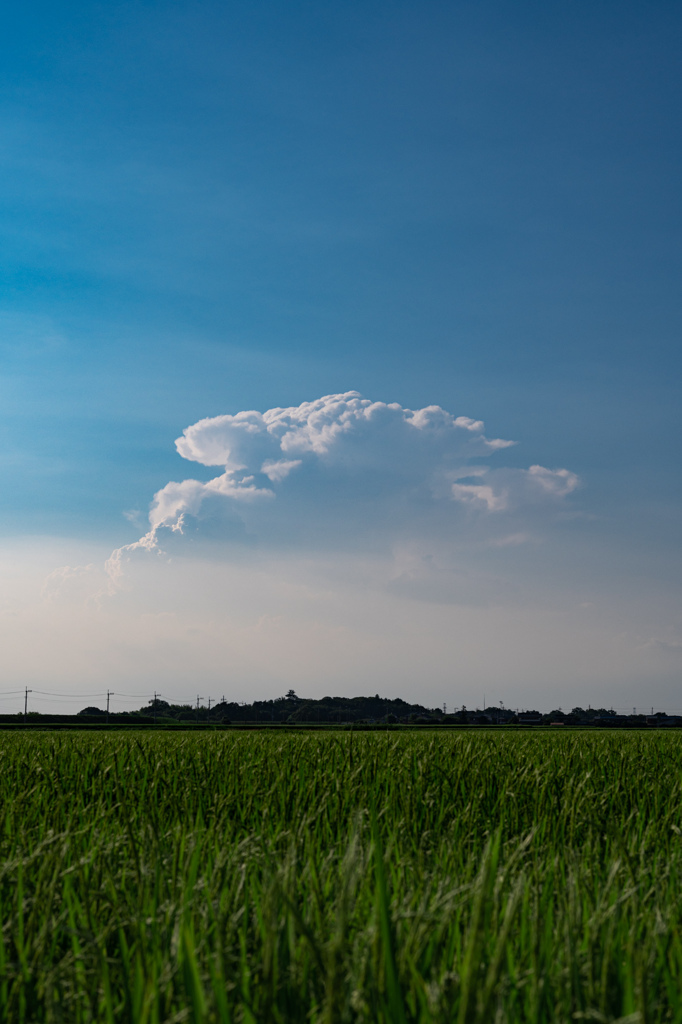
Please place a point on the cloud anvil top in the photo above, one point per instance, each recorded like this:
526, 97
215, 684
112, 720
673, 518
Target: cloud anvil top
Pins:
341, 450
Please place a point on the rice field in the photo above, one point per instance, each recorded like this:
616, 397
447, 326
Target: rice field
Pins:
341, 877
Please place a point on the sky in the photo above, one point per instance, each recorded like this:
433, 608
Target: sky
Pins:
339, 351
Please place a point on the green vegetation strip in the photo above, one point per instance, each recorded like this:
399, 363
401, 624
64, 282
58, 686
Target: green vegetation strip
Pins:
260, 877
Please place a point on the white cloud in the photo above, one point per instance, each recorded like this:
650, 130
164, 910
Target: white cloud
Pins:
118, 559
558, 482
344, 456
319, 428
278, 469
69, 580
480, 496
186, 498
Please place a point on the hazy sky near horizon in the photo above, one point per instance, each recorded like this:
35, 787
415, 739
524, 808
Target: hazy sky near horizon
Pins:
403, 282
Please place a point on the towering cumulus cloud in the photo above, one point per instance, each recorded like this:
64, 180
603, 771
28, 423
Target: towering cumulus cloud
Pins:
343, 464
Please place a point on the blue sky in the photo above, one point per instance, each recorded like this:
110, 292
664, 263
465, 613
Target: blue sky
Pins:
207, 208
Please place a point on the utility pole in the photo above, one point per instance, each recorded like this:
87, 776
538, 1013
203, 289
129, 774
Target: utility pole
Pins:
26, 703
209, 709
197, 715
155, 707
109, 693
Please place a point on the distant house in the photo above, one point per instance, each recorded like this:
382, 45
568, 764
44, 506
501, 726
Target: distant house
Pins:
529, 718
665, 720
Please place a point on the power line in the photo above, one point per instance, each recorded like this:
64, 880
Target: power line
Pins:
79, 696
137, 696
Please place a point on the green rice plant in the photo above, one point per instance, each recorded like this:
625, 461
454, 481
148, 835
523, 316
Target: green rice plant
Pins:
332, 878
